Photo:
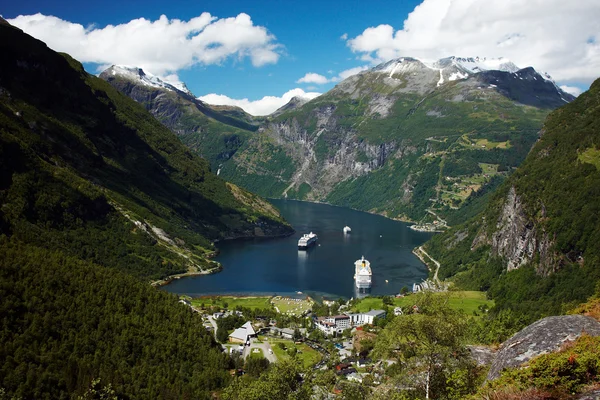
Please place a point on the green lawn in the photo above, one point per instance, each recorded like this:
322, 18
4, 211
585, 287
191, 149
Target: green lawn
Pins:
232, 302
306, 354
256, 353
468, 301
286, 305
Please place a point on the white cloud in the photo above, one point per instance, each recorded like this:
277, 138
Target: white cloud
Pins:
344, 36
312, 77
561, 37
264, 106
163, 46
574, 90
352, 71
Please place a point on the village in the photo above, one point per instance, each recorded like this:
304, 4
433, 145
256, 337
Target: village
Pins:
330, 335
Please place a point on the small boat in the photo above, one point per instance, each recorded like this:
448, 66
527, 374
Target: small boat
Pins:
347, 229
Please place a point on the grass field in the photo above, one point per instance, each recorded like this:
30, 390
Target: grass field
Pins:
467, 301
232, 302
306, 354
256, 353
291, 306
591, 156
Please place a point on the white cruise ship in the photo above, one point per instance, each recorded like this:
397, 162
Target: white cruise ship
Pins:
362, 273
307, 240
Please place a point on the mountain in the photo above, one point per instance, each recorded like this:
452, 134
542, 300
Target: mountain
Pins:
97, 198
427, 141
89, 171
214, 132
421, 139
535, 246
294, 103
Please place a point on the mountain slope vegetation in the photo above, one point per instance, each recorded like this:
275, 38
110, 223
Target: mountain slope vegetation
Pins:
214, 132
88, 170
97, 198
535, 246
425, 141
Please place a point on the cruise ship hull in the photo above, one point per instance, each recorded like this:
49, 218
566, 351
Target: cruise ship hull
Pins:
363, 285
309, 244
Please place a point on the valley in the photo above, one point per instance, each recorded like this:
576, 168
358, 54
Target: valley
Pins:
150, 241
412, 141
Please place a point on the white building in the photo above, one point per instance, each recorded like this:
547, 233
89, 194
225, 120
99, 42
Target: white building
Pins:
366, 318
338, 323
242, 334
335, 323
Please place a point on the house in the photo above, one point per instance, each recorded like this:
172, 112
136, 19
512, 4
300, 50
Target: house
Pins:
398, 311
354, 376
287, 333
242, 334
366, 318
218, 315
186, 302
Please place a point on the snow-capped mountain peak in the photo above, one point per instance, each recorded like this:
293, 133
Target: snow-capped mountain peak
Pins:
138, 75
480, 64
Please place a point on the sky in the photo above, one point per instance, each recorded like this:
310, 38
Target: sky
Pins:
259, 54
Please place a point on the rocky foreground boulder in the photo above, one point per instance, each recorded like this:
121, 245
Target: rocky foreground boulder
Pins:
544, 336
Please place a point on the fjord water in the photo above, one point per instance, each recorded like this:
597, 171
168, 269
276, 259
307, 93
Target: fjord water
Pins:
269, 266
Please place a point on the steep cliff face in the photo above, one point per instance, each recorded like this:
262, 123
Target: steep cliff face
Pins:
518, 238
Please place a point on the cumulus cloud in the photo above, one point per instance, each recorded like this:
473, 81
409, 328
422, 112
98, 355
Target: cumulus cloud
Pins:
312, 77
557, 36
352, 71
264, 106
344, 36
163, 46
574, 90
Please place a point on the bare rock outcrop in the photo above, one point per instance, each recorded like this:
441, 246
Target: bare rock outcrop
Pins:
544, 336
519, 240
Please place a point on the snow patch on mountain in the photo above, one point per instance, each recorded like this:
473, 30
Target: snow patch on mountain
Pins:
139, 76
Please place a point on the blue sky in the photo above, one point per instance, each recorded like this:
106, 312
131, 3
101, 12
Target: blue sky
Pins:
286, 40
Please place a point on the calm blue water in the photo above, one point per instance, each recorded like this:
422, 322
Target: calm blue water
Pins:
268, 266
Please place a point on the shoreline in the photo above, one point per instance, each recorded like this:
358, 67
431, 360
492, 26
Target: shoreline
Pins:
406, 221
167, 280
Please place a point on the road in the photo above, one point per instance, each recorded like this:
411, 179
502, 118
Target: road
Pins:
264, 346
214, 325
435, 275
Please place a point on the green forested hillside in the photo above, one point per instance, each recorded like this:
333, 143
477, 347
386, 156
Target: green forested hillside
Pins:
544, 218
88, 170
66, 323
94, 195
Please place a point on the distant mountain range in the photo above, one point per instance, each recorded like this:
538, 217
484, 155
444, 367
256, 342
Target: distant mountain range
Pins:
406, 139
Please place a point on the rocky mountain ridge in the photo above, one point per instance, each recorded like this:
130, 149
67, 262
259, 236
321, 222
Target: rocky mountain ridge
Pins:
445, 133
399, 118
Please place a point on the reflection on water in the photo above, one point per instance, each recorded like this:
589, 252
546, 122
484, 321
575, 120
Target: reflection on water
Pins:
277, 266
360, 293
